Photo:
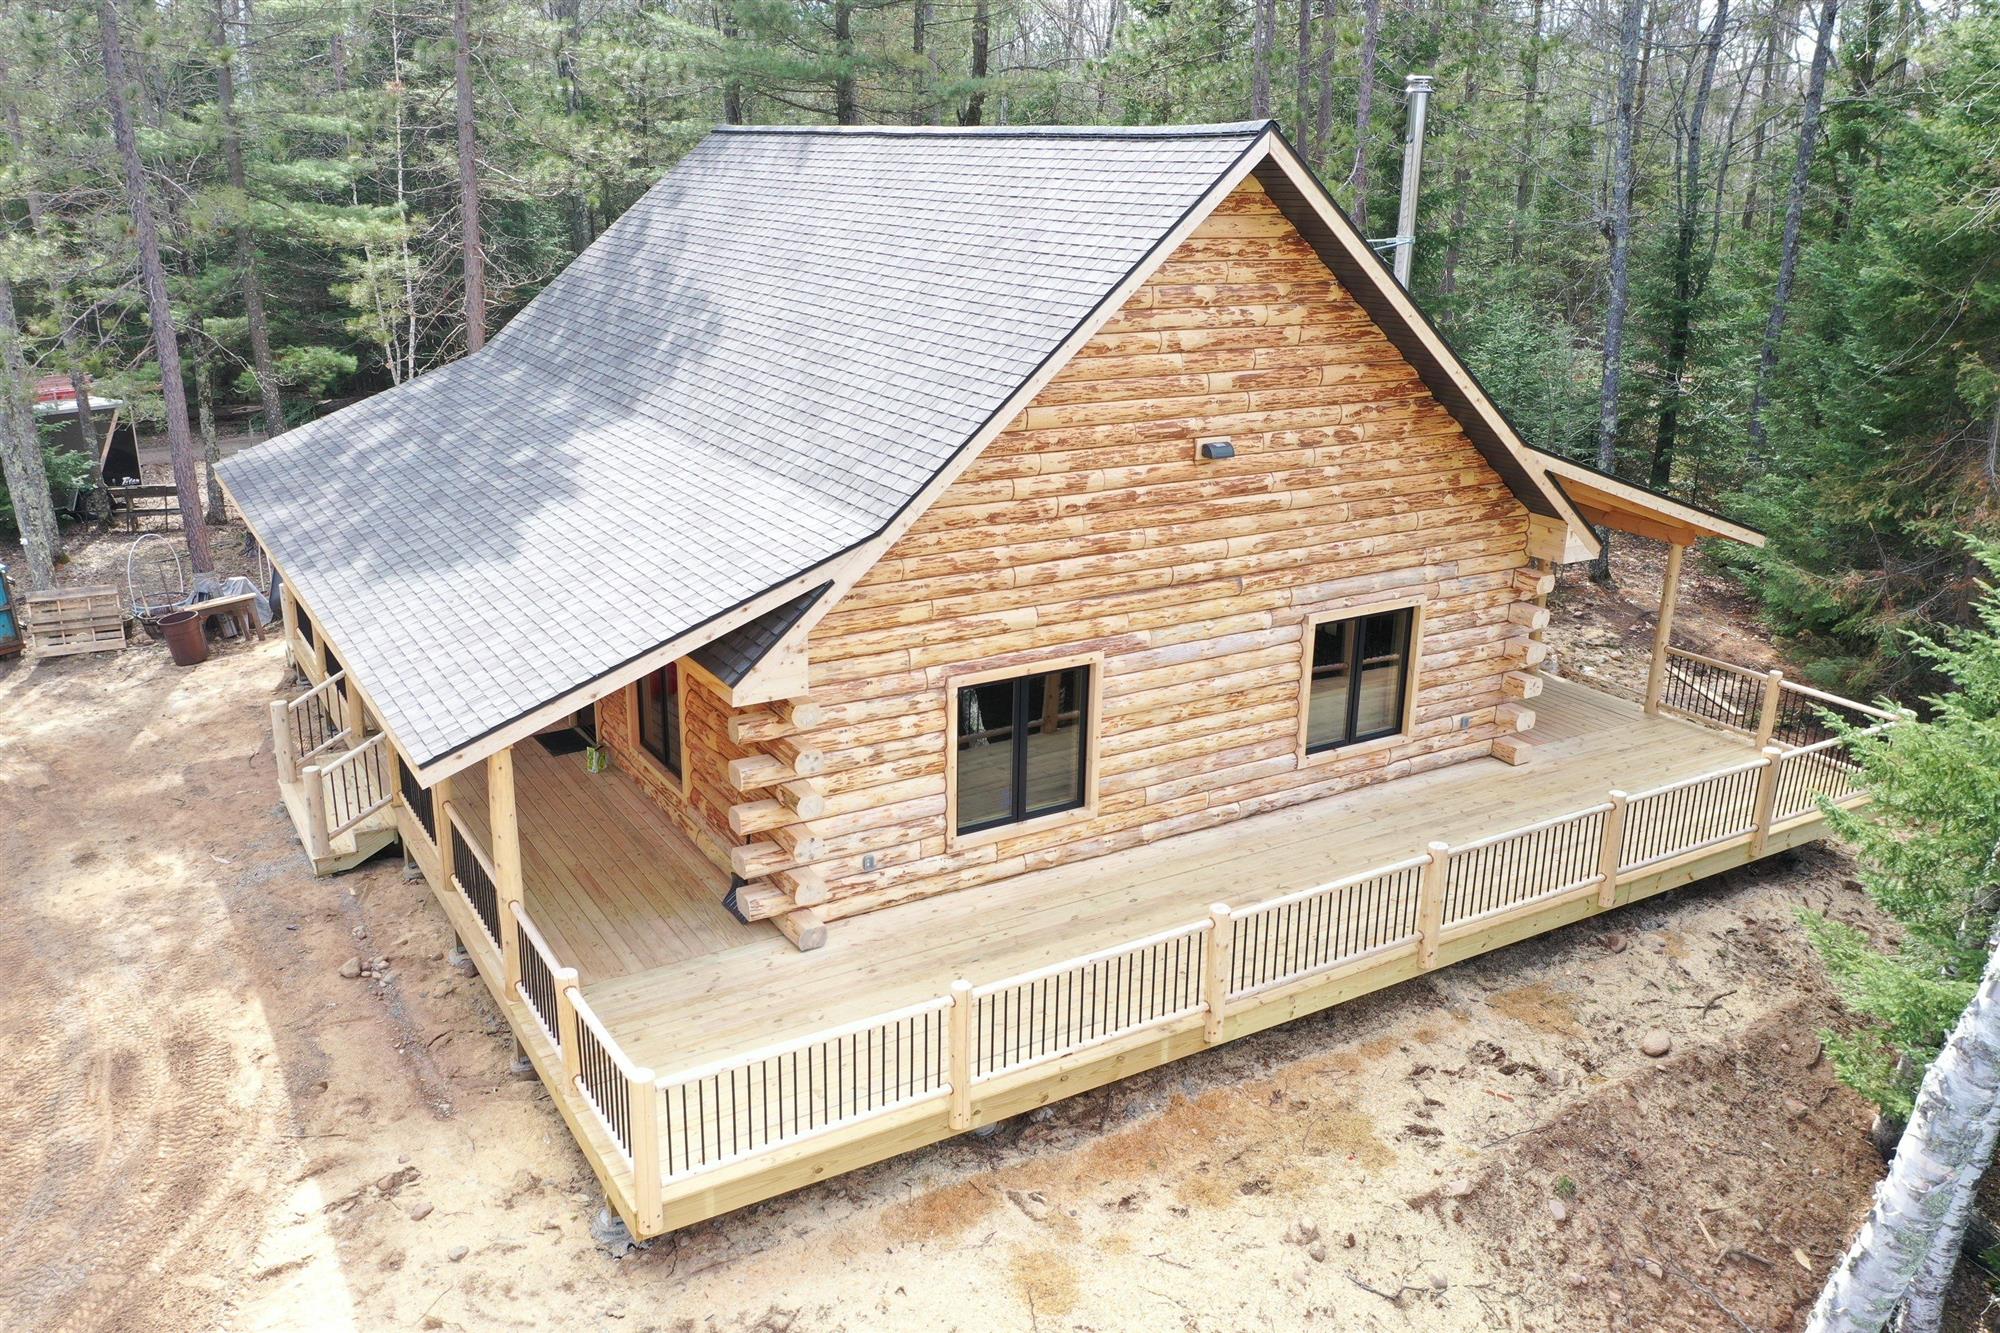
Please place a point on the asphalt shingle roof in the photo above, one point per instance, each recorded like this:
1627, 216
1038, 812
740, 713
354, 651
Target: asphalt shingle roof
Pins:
755, 369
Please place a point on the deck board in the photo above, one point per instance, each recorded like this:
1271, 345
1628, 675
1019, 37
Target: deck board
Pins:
613, 887
751, 992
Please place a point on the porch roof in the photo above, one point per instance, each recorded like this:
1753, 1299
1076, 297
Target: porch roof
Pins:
1612, 502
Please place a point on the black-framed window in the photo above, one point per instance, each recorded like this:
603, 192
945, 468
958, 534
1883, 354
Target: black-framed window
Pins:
660, 716
1360, 678
1023, 747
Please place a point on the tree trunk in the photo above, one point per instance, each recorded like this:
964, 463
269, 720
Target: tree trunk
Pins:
246, 248
468, 180
204, 416
1619, 225
1925, 1311
1302, 83
1264, 19
21, 452
974, 110
1364, 106
920, 92
845, 109
153, 277
79, 382
1323, 114
1940, 1147
1461, 194
732, 87
1769, 59
1688, 283
1795, 209
1531, 109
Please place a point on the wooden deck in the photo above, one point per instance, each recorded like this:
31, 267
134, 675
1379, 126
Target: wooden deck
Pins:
615, 889
762, 991
706, 1064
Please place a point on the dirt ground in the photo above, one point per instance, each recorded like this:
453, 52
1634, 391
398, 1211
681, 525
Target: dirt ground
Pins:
210, 1127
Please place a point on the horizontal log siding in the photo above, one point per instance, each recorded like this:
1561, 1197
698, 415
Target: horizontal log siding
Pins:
703, 813
1088, 526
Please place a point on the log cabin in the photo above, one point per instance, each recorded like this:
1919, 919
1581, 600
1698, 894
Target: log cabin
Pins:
914, 624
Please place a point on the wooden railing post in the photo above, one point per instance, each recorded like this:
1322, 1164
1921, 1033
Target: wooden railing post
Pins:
643, 1101
1767, 716
1612, 850
1215, 963
1663, 629
961, 1055
318, 845
281, 742
1767, 800
566, 1025
1430, 904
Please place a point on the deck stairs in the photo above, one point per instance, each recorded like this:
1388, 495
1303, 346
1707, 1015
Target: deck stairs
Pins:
337, 781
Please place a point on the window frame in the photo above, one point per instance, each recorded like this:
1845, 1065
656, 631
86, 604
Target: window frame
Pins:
1092, 705
678, 781
1406, 706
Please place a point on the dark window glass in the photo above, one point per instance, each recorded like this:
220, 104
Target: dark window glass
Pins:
1360, 676
660, 717
1022, 747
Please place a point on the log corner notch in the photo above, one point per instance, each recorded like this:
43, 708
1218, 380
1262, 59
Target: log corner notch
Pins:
777, 845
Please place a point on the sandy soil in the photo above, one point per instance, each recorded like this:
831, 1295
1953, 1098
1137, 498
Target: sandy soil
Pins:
211, 1128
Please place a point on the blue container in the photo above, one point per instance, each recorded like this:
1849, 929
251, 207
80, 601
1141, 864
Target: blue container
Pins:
10, 627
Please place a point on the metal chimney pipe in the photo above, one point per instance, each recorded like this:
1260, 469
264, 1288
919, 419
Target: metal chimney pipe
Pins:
1418, 88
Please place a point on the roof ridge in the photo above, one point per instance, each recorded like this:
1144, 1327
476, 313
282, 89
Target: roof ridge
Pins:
1216, 130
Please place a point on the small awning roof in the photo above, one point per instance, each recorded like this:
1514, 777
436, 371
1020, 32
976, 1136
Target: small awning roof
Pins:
1609, 502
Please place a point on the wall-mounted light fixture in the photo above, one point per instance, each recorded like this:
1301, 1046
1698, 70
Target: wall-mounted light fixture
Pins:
1215, 450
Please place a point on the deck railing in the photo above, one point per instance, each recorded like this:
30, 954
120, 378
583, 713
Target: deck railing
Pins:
418, 799
1179, 983
1510, 870
1691, 814
1301, 934
307, 727
794, 1090
1052, 1012
1762, 705
356, 784
473, 874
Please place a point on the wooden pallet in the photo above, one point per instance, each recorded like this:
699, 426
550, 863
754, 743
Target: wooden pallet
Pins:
74, 620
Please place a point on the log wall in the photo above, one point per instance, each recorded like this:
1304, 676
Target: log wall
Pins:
1090, 526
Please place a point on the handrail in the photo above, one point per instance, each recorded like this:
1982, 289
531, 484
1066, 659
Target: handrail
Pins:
464, 835
328, 683
937, 1004
1715, 662
1086, 960
371, 782
1528, 830
1698, 779
1332, 886
1793, 687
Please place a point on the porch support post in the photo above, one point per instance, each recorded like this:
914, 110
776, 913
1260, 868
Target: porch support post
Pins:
506, 853
441, 797
1670, 591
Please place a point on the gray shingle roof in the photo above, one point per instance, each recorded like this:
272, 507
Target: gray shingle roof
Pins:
730, 657
755, 369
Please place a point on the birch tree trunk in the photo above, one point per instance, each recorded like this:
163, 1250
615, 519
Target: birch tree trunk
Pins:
153, 277
1940, 1146
1925, 1311
1364, 110
21, 452
1619, 225
468, 180
246, 246
1795, 209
